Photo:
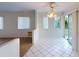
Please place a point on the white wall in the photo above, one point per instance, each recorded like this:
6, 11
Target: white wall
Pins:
10, 24
78, 30
35, 36
10, 49
75, 31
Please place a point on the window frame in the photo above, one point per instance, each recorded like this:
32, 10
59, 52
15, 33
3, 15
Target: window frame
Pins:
2, 23
26, 25
44, 23
56, 26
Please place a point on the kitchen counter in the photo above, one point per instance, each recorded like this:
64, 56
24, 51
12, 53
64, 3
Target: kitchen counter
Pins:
3, 41
9, 47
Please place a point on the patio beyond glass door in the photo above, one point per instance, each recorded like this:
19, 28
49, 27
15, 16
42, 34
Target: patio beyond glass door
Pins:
68, 28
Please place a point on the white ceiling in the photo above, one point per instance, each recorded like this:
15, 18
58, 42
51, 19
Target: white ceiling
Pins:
21, 6
41, 6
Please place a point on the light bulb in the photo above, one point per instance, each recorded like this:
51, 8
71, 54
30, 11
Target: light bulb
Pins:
52, 11
52, 14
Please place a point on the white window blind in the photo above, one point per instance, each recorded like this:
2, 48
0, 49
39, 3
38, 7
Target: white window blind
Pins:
23, 22
1, 23
45, 23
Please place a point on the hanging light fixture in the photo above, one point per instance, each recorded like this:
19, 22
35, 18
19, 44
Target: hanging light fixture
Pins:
52, 11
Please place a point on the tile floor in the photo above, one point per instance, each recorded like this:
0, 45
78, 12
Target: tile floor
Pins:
51, 48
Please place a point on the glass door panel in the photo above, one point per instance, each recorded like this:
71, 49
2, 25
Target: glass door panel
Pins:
68, 28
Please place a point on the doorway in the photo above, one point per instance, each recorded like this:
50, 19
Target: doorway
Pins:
68, 28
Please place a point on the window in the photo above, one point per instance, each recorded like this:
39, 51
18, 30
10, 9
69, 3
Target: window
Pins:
45, 22
57, 22
1, 23
23, 22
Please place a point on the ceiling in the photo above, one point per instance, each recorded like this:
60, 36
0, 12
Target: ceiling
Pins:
40, 6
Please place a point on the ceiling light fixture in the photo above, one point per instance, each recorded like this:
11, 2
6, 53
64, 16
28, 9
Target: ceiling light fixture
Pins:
52, 11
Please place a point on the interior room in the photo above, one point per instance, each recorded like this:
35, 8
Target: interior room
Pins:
39, 29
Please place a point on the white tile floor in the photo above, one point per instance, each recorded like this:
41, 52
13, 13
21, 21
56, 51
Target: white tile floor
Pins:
51, 48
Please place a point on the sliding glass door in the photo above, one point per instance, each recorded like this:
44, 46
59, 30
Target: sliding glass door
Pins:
68, 28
